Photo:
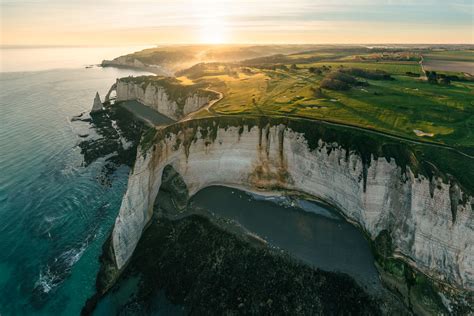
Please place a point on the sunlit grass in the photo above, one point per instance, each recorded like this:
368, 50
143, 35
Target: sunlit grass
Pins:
396, 107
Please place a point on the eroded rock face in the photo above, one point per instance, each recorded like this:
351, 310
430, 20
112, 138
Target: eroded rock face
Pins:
158, 99
378, 196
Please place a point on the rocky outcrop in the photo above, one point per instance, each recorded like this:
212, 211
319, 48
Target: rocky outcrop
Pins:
158, 97
377, 193
97, 105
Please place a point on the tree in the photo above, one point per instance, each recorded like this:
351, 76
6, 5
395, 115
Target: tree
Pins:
432, 76
314, 70
445, 81
317, 92
334, 84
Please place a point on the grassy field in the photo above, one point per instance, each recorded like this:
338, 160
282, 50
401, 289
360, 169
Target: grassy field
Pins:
395, 68
292, 80
397, 106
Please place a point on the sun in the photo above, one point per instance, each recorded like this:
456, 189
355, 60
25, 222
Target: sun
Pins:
213, 31
211, 21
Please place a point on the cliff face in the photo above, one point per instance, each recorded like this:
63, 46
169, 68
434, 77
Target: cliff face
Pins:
159, 99
129, 62
431, 228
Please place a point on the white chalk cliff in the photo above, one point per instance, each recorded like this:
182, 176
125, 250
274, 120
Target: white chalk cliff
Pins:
157, 98
419, 219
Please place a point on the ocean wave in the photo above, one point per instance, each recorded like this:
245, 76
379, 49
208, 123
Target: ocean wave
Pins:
54, 273
47, 280
70, 257
51, 219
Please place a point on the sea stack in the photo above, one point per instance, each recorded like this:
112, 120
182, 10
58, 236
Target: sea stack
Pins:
97, 106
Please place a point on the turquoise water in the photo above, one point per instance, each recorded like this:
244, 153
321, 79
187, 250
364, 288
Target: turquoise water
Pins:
54, 213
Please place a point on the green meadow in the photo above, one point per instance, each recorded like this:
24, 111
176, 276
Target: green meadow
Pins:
398, 106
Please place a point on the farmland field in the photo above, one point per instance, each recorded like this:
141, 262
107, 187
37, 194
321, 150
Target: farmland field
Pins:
396, 68
382, 89
398, 106
450, 61
449, 66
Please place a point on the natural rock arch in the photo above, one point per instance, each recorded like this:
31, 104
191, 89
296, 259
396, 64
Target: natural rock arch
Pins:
376, 193
113, 88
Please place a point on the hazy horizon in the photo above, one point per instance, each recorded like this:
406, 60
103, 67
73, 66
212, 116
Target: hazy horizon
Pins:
39, 46
169, 22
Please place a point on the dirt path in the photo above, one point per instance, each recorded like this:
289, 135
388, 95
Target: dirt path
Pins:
207, 107
424, 77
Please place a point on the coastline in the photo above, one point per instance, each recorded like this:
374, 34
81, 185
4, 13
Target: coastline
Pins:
394, 259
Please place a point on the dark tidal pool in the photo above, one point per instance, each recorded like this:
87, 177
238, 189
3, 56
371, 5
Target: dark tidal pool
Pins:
309, 231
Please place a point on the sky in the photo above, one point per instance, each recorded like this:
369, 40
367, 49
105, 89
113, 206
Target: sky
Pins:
142, 22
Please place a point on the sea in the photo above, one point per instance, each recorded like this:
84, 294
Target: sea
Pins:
55, 213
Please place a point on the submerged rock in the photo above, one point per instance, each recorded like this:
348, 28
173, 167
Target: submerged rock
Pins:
118, 134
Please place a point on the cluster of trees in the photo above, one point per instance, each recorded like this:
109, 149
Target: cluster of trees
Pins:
344, 78
341, 76
271, 67
355, 72
338, 81
367, 74
246, 71
334, 84
392, 56
436, 78
317, 92
319, 70
412, 74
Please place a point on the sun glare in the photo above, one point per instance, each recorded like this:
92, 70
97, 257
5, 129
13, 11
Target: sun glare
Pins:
212, 31
211, 20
